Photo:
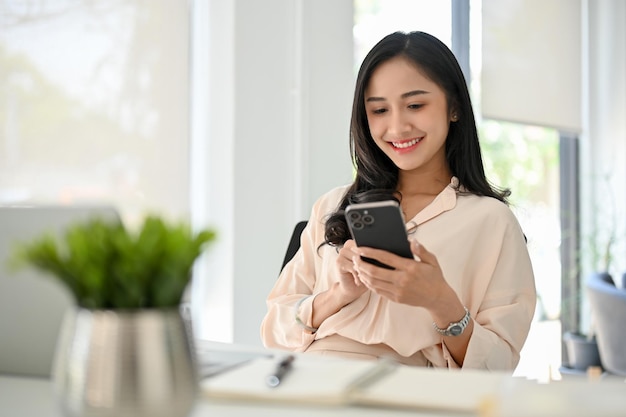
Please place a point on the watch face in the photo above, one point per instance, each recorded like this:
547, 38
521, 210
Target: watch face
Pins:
456, 330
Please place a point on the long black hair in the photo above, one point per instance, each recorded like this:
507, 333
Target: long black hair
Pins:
376, 175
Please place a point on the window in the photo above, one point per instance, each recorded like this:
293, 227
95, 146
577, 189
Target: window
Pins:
94, 104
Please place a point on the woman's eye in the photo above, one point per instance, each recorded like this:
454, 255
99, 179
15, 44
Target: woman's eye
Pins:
379, 111
415, 106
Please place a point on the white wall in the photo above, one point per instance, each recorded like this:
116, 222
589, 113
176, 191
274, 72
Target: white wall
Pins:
276, 120
603, 145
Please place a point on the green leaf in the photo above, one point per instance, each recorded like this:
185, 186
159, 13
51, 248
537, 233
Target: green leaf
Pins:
105, 266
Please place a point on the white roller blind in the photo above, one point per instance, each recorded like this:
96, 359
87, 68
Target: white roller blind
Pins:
531, 65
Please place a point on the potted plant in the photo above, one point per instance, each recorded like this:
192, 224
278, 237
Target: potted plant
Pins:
124, 350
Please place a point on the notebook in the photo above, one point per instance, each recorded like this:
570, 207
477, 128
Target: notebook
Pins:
324, 380
313, 380
32, 304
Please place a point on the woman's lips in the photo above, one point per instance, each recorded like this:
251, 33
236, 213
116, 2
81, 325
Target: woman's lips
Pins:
406, 143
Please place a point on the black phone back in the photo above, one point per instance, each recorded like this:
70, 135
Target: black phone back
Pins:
379, 225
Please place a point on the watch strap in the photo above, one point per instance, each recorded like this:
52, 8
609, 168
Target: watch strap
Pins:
456, 328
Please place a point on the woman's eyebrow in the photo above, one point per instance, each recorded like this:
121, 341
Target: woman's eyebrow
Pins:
414, 93
405, 95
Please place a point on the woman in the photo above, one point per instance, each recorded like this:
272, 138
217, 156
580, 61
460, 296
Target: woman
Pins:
468, 297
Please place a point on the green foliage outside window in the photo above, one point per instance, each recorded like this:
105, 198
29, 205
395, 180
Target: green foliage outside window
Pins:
522, 158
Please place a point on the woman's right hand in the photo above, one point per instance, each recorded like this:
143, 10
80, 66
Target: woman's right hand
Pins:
350, 285
343, 292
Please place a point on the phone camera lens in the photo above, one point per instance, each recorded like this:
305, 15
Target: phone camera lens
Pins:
355, 215
368, 219
357, 225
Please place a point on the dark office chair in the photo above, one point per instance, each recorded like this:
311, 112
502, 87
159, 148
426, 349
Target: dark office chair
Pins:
608, 309
294, 242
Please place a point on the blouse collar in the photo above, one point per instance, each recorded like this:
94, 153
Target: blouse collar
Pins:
445, 201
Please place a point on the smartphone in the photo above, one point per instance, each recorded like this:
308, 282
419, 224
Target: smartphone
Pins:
379, 225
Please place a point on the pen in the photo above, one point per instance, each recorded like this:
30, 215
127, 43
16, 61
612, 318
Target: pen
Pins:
284, 366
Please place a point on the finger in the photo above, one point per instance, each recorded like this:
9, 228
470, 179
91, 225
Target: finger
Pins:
380, 255
379, 285
422, 253
346, 267
344, 262
355, 265
349, 244
356, 272
346, 253
372, 276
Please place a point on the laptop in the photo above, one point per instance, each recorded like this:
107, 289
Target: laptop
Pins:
33, 303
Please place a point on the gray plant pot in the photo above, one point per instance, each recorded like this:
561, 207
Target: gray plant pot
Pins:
582, 352
129, 363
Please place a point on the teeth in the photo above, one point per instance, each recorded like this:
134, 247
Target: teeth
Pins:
405, 144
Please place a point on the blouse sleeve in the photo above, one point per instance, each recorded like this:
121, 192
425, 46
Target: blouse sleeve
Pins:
494, 279
288, 321
502, 319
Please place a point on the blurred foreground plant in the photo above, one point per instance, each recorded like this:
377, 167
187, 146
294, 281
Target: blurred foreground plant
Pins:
107, 267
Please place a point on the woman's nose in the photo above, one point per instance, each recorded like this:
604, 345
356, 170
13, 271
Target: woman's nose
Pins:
398, 123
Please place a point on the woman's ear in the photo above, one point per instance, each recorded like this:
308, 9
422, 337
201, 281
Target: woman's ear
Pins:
454, 111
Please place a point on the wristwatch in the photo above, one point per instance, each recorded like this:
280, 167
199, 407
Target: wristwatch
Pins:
455, 329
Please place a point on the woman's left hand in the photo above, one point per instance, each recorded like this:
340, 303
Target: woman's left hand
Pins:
417, 282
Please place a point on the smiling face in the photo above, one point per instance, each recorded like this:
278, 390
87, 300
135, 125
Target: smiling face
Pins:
408, 116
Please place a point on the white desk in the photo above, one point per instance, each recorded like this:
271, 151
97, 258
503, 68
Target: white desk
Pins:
33, 397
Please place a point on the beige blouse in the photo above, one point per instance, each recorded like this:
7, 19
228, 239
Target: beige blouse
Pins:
482, 252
